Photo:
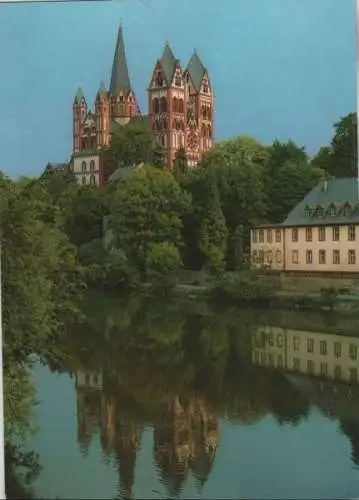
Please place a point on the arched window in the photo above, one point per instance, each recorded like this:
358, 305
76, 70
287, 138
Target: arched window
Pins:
209, 113
209, 130
83, 166
156, 105
175, 105
159, 80
92, 180
163, 105
204, 131
83, 180
92, 165
180, 106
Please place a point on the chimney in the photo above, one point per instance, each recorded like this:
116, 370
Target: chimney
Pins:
324, 186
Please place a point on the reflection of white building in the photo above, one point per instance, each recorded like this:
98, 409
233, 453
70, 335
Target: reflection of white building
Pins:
269, 347
317, 354
91, 379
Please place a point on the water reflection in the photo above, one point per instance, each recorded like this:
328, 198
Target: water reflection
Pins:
179, 371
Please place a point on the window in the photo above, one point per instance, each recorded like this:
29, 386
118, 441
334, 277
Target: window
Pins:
270, 257
323, 347
92, 180
321, 233
294, 234
270, 339
337, 349
335, 233
310, 345
278, 256
178, 81
308, 234
353, 352
261, 235
254, 235
269, 236
321, 256
278, 236
351, 233
296, 364
295, 257
337, 372
351, 257
333, 211
280, 340
261, 257
353, 374
296, 343
92, 165
83, 166
83, 180
323, 369
310, 366
309, 256
336, 257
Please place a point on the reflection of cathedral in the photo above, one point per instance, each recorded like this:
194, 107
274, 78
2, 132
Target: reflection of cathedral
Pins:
185, 436
185, 440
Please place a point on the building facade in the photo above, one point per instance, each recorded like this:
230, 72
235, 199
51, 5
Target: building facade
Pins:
321, 234
180, 113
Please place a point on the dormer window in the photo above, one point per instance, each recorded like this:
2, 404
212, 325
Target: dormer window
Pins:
121, 98
332, 211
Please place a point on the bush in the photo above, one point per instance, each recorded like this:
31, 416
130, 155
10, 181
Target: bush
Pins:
163, 265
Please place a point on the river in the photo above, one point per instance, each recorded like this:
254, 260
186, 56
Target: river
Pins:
165, 400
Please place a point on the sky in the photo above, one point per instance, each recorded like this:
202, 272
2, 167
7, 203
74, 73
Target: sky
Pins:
281, 69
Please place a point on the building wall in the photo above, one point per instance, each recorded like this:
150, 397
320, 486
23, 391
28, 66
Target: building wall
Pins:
294, 247
266, 249
296, 251
87, 173
310, 353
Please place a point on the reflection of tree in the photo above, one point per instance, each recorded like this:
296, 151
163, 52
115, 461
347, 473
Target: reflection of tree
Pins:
177, 371
350, 428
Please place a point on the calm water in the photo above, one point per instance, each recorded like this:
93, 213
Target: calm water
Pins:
160, 400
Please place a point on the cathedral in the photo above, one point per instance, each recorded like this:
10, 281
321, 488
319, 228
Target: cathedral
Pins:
180, 112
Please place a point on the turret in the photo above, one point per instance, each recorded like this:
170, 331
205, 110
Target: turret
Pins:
79, 110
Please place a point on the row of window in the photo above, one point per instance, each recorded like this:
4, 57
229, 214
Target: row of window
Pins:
322, 232
277, 361
162, 124
92, 180
323, 348
84, 166
353, 372
261, 257
258, 235
322, 257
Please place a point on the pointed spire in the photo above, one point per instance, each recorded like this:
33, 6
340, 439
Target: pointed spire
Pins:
168, 63
196, 70
120, 80
101, 91
79, 96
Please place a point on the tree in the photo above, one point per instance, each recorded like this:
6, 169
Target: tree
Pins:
132, 144
340, 159
288, 176
287, 188
163, 265
147, 208
180, 164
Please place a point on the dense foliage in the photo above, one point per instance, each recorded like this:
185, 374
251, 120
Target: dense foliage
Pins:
55, 242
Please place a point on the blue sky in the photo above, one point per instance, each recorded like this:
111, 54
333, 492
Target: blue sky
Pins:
280, 68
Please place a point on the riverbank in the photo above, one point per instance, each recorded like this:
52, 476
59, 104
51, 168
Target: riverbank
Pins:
262, 290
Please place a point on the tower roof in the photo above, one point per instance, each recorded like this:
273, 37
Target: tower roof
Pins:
168, 63
196, 70
101, 91
120, 80
79, 96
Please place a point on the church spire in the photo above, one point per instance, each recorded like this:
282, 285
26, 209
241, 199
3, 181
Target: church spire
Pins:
120, 80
